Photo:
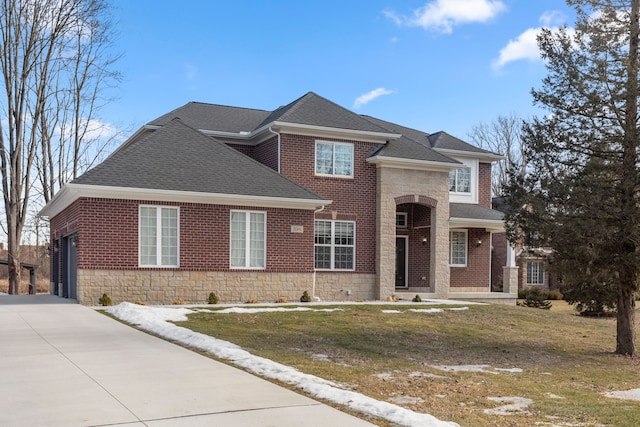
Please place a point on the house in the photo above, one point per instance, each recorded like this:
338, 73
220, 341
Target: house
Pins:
533, 263
255, 204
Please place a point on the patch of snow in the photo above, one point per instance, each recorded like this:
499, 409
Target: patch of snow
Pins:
633, 394
511, 370
406, 400
392, 311
323, 357
424, 375
458, 308
487, 369
426, 310
3, 293
553, 396
515, 405
154, 319
243, 310
464, 368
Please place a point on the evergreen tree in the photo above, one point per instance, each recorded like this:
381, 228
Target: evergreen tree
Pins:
580, 192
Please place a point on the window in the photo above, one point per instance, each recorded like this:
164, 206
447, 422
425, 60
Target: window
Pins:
335, 245
158, 234
248, 242
460, 180
535, 273
334, 158
458, 248
401, 220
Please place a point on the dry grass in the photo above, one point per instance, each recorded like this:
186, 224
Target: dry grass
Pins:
566, 360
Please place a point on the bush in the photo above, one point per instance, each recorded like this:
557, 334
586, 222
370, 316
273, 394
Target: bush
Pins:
305, 297
213, 298
282, 300
417, 298
104, 300
548, 295
591, 298
535, 299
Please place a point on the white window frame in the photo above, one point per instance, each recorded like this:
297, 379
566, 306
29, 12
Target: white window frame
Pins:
247, 241
399, 223
539, 272
333, 159
159, 236
472, 195
333, 245
466, 248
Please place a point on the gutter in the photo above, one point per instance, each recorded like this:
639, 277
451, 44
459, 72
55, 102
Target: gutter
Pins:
278, 133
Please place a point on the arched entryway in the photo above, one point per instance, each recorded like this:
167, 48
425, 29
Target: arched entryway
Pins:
414, 243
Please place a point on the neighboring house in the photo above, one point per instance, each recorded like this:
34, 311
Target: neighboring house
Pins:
254, 204
532, 262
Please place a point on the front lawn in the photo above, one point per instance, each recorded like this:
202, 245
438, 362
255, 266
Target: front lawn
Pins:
458, 365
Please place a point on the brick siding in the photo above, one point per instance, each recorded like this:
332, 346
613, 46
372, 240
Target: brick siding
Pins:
477, 272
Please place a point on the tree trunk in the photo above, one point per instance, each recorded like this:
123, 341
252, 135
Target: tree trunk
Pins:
626, 333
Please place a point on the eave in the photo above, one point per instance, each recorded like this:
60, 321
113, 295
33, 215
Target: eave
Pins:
399, 163
492, 225
487, 157
72, 192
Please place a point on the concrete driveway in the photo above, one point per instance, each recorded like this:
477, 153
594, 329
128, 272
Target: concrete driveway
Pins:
63, 364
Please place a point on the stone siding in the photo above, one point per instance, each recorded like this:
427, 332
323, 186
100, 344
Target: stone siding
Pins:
193, 287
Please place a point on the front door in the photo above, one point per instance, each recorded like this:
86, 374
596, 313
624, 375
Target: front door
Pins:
70, 266
401, 261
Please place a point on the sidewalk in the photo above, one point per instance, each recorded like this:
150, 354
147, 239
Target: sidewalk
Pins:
63, 364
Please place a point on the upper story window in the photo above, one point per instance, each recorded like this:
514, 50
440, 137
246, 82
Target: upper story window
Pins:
334, 159
463, 182
158, 236
460, 180
248, 239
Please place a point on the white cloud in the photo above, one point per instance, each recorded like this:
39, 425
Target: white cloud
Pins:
443, 15
525, 46
190, 71
370, 96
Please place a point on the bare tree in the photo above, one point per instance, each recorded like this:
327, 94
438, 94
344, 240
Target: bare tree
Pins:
503, 136
54, 56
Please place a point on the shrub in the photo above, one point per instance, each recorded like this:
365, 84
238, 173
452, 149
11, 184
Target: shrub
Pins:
179, 301
417, 298
252, 301
213, 298
282, 300
591, 298
104, 300
536, 299
553, 295
305, 297
138, 302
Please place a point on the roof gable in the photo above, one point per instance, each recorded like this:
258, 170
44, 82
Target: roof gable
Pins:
221, 118
177, 157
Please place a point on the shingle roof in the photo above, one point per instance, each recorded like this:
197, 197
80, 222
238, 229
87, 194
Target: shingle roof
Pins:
312, 109
468, 211
444, 141
413, 144
215, 117
178, 157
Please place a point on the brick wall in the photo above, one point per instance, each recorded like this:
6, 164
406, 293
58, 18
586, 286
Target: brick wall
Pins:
353, 198
108, 235
267, 153
476, 274
484, 184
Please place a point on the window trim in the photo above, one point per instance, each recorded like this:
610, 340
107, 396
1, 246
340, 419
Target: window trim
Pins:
405, 216
247, 249
332, 245
333, 159
158, 264
539, 273
472, 196
466, 248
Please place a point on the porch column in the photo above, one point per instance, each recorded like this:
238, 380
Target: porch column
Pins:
510, 272
439, 277
385, 235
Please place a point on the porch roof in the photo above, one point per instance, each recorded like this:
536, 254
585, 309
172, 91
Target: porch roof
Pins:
463, 215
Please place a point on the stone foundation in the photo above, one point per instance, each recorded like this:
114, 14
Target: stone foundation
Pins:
194, 287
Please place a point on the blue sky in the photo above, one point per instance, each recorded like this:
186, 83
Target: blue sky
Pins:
429, 64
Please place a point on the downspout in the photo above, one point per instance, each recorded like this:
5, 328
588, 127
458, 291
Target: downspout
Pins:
278, 133
313, 286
